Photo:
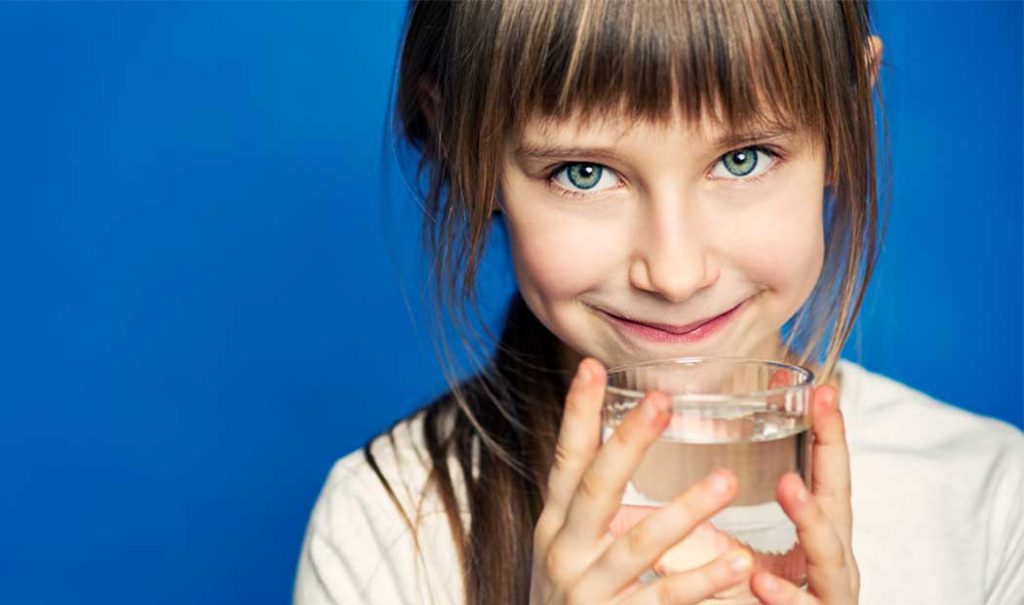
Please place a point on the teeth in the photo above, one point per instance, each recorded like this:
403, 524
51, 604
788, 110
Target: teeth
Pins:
680, 332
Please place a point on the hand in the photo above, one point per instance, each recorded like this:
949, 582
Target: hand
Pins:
576, 559
823, 518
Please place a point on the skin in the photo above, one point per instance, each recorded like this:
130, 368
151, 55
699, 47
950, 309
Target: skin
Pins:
669, 235
577, 560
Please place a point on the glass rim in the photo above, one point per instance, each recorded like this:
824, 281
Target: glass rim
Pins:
805, 373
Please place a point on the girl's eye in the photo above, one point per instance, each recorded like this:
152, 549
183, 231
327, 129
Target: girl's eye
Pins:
746, 163
584, 177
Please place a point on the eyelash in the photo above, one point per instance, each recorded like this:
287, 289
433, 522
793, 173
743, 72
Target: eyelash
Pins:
775, 154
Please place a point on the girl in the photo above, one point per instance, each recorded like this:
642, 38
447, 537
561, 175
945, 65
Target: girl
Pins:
676, 178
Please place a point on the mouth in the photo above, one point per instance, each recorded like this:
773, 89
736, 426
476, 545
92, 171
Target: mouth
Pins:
657, 332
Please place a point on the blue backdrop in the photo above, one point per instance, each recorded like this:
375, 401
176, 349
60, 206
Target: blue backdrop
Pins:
203, 308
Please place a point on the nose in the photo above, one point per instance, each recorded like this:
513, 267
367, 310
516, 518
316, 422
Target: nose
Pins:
673, 258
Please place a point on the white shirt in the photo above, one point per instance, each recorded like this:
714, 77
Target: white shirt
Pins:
938, 505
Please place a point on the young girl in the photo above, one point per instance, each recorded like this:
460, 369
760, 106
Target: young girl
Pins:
675, 178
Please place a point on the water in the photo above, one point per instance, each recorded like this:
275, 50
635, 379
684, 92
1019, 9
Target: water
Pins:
759, 446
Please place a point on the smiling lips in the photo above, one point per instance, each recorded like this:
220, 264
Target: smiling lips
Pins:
670, 333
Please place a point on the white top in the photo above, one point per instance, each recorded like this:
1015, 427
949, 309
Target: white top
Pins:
938, 505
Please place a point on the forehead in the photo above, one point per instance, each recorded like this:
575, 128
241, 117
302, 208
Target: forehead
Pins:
611, 125
610, 128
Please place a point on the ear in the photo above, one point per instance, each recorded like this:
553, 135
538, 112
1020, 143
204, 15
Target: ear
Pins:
874, 56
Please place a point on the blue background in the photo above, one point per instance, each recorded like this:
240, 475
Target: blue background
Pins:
210, 291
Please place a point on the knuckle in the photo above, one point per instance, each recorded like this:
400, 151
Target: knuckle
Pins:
832, 553
839, 425
718, 575
854, 567
641, 539
855, 581
546, 528
813, 511
564, 457
631, 433
556, 562
621, 438
845, 487
830, 495
590, 487
722, 574
669, 590
574, 596
573, 401
834, 557
666, 592
691, 507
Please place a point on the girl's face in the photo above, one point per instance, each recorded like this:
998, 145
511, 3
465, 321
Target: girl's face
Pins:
633, 240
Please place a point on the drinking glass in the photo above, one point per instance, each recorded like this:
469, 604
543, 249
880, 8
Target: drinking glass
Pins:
748, 415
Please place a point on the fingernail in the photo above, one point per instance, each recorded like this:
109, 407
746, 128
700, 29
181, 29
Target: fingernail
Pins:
801, 492
829, 401
740, 561
719, 482
582, 375
769, 584
652, 409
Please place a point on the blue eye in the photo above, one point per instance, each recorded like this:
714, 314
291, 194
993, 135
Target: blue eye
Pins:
742, 162
584, 177
746, 163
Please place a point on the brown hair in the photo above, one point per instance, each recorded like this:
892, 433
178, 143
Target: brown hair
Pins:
473, 73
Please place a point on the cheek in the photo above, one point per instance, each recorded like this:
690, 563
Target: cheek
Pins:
557, 257
775, 240
785, 251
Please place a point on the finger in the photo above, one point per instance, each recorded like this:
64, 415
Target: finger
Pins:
637, 550
828, 575
773, 590
830, 473
695, 585
579, 437
600, 488
777, 387
779, 378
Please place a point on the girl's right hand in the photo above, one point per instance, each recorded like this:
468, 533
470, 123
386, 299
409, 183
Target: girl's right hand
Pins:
576, 559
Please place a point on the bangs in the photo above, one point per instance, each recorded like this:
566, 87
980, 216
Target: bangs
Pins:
475, 74
742, 64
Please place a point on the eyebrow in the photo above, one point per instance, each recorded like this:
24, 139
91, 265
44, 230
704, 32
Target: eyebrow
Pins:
731, 140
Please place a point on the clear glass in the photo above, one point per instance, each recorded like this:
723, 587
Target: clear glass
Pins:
748, 415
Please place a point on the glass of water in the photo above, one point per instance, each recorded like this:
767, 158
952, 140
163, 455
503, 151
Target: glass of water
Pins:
750, 416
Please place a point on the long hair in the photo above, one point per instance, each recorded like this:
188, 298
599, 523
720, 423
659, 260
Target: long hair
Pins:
472, 74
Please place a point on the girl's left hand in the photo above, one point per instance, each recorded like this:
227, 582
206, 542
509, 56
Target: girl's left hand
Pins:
823, 518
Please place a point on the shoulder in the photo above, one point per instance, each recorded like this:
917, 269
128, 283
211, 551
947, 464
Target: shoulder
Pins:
883, 413
936, 485
902, 437
394, 469
378, 532
397, 458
